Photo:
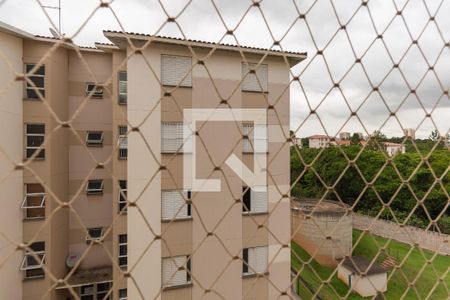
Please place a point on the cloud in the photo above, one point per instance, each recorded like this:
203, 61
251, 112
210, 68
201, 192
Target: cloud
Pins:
345, 32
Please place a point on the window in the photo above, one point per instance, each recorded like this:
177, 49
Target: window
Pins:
123, 249
94, 138
123, 90
176, 70
38, 79
172, 139
94, 234
176, 270
254, 260
35, 135
255, 138
257, 81
123, 142
97, 291
33, 203
123, 294
174, 206
94, 91
122, 195
254, 201
33, 261
94, 187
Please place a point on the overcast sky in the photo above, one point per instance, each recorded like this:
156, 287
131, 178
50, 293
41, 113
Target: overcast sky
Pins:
201, 21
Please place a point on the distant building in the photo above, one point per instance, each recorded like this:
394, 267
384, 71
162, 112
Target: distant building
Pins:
296, 141
345, 135
366, 278
409, 132
320, 141
394, 148
342, 142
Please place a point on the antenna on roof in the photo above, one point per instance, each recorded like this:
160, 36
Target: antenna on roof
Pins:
58, 8
54, 33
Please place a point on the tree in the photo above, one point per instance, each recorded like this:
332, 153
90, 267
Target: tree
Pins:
355, 139
376, 140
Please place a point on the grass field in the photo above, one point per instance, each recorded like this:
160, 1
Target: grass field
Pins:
439, 267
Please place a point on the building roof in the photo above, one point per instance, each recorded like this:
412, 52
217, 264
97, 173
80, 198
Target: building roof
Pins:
318, 207
360, 266
119, 38
6, 28
320, 136
389, 144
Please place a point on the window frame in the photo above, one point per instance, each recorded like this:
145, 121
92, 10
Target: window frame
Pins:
250, 143
248, 269
181, 145
41, 154
121, 292
122, 194
27, 207
90, 238
179, 81
119, 245
122, 97
30, 254
122, 140
187, 266
247, 74
93, 91
98, 191
27, 88
92, 142
188, 195
95, 293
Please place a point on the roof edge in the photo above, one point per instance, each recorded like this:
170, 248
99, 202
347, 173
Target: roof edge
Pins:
9, 29
293, 57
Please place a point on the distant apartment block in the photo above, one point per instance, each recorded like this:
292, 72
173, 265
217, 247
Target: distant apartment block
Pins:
320, 141
179, 242
410, 133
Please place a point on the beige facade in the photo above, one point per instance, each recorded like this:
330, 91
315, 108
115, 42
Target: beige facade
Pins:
112, 150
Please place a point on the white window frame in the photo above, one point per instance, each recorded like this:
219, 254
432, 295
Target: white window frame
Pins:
94, 191
122, 96
35, 148
91, 238
175, 143
35, 89
252, 143
181, 277
259, 201
26, 207
176, 70
178, 197
92, 142
257, 260
255, 82
95, 292
96, 92
124, 192
24, 264
119, 245
122, 141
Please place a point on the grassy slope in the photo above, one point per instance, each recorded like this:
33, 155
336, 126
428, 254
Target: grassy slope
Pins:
398, 279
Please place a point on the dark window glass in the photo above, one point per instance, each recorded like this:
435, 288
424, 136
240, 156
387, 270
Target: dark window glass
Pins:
246, 199
245, 260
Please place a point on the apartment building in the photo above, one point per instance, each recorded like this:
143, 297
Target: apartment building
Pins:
113, 134
320, 141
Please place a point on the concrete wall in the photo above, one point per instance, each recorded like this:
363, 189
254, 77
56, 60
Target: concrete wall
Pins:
311, 234
11, 187
90, 114
366, 286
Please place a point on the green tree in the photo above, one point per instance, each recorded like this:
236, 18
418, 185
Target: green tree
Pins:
355, 139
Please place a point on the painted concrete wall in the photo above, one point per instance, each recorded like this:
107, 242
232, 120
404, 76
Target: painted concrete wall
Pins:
11, 187
366, 286
311, 234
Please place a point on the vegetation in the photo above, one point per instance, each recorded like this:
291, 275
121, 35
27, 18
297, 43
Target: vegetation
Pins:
415, 263
387, 178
